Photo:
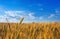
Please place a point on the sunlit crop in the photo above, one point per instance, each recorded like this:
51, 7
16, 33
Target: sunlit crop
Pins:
50, 30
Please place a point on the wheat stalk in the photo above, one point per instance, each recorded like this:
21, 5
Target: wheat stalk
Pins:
9, 31
21, 20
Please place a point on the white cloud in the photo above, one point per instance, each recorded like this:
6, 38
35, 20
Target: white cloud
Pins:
51, 15
14, 16
3, 18
57, 12
13, 20
41, 17
31, 16
11, 13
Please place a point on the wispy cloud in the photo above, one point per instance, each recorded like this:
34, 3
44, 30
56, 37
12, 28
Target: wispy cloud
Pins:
14, 16
11, 13
3, 18
57, 11
51, 15
31, 16
41, 17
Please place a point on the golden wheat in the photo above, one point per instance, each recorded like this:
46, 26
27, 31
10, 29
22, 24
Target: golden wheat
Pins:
30, 31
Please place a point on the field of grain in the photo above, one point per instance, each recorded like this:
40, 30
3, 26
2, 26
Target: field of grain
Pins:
30, 30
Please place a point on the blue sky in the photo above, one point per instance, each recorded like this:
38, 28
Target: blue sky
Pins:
32, 10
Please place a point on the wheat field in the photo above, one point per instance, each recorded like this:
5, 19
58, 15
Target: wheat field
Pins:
30, 30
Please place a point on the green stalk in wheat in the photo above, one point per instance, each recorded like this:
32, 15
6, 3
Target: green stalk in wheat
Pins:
17, 28
21, 20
